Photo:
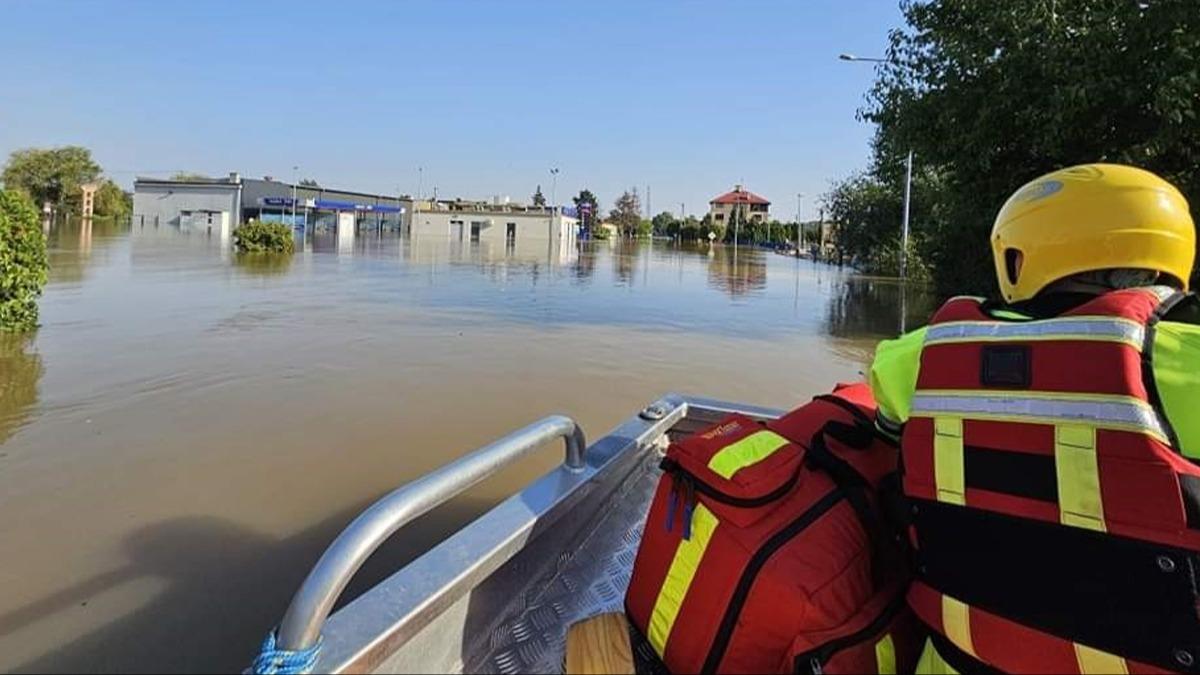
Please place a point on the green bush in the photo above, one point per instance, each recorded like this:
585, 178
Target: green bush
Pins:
23, 265
259, 237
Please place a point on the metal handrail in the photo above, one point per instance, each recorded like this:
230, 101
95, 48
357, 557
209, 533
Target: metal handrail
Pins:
310, 607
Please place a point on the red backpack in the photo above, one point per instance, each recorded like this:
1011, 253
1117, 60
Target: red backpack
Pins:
766, 548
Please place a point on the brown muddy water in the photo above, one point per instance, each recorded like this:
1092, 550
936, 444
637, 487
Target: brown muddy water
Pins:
187, 430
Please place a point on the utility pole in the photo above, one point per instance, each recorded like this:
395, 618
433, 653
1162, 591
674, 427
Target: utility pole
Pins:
799, 231
904, 230
295, 179
649, 209
907, 178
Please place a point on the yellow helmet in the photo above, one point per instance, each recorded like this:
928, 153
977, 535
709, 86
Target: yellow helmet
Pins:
1091, 217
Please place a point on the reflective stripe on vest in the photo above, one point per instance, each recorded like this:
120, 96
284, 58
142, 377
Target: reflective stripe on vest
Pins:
956, 622
1098, 662
679, 578
749, 451
1078, 474
1104, 411
948, 471
956, 625
885, 656
1088, 328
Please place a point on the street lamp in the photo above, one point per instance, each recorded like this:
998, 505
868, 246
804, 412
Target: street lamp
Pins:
907, 181
851, 57
553, 189
799, 232
295, 179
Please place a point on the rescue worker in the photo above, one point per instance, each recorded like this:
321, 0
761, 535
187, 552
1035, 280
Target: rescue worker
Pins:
1050, 441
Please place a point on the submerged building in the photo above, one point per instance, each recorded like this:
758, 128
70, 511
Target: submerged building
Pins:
498, 220
219, 204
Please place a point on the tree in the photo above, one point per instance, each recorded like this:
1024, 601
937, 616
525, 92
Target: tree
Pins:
538, 198
627, 212
588, 208
665, 223
51, 176
23, 265
112, 202
866, 213
308, 182
989, 95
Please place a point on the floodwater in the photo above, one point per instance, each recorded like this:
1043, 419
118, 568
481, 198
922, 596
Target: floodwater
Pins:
188, 430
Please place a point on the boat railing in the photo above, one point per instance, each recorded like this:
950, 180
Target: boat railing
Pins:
310, 607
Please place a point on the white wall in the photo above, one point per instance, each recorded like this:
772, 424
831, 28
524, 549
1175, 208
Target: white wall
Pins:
165, 202
493, 226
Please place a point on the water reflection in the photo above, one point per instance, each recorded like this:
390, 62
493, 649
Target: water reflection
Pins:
70, 242
878, 307
737, 271
263, 264
20, 371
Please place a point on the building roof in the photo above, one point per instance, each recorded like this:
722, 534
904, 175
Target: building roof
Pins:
739, 195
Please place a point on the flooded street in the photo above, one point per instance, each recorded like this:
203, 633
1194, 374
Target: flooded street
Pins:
187, 431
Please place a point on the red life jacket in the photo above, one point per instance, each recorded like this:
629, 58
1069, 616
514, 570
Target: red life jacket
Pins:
757, 557
1056, 525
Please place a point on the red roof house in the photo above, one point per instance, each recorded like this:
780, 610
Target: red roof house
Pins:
748, 205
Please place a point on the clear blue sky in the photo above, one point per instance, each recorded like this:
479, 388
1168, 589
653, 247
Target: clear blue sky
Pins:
688, 97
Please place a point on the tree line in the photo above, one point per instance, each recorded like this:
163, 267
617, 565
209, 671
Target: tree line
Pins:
989, 95
53, 176
626, 215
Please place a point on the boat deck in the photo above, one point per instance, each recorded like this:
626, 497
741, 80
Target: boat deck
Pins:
588, 581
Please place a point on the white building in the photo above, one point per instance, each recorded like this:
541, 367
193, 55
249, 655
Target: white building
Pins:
498, 221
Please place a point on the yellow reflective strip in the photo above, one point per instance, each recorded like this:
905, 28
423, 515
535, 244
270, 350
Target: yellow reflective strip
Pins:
749, 451
956, 621
885, 656
1079, 500
932, 663
1102, 663
679, 578
948, 473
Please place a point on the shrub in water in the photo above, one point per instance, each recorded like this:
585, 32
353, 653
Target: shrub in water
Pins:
259, 237
22, 262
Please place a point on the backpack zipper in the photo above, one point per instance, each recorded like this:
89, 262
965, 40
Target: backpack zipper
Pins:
685, 485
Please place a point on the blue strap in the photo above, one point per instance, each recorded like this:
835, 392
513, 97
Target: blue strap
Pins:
274, 661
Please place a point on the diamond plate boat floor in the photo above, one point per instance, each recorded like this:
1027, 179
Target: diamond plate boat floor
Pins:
591, 580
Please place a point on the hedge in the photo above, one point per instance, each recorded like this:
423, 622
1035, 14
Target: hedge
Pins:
259, 237
23, 265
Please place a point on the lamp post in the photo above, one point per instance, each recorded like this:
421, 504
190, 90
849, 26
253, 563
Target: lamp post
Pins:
295, 179
799, 231
553, 189
907, 180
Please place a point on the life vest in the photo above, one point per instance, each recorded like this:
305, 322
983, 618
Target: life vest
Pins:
764, 548
1055, 522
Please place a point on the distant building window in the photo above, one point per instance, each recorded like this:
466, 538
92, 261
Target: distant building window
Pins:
720, 216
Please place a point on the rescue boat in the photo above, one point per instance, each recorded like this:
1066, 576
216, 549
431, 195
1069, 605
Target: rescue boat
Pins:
499, 594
